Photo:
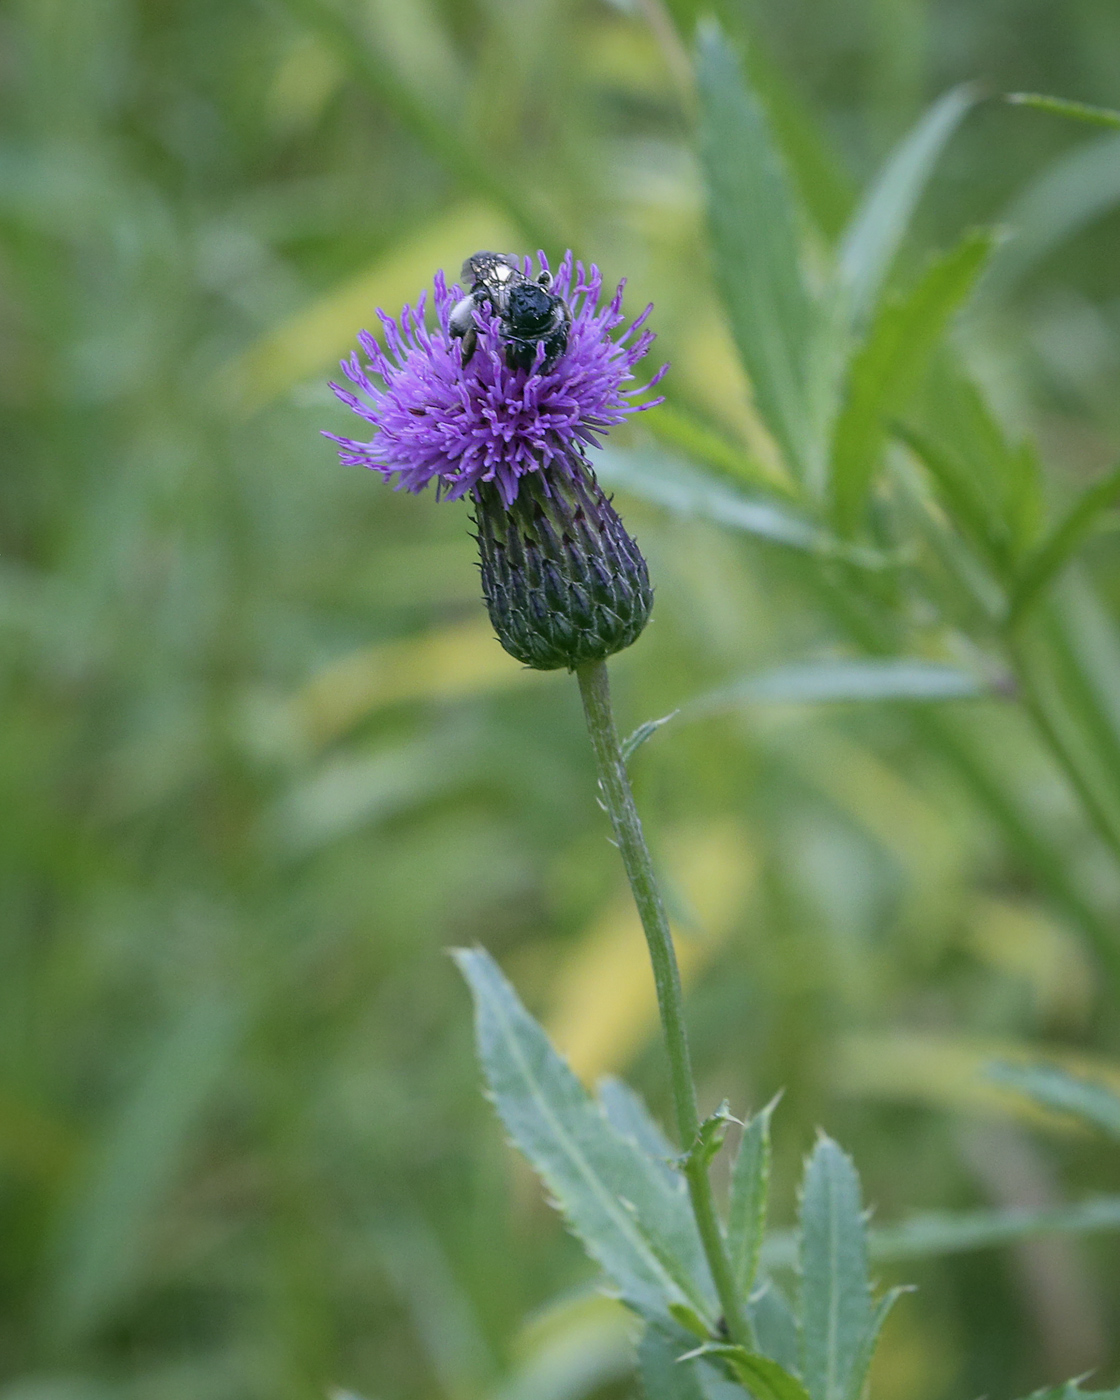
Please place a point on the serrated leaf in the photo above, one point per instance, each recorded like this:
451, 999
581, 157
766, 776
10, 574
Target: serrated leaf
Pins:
666, 1377
870, 1341
1092, 1102
836, 1313
880, 223
883, 371
710, 1137
633, 1224
775, 1326
627, 1114
750, 1188
763, 1377
755, 239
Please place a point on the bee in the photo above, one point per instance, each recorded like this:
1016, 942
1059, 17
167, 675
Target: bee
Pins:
528, 312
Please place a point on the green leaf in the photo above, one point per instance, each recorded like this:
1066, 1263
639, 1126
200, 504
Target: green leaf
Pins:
936, 1233
750, 1188
643, 732
634, 1223
1071, 1390
883, 372
1063, 542
774, 1324
963, 501
627, 1114
755, 239
763, 1377
1076, 189
844, 680
836, 1313
1063, 107
1052, 1087
710, 1137
666, 1377
880, 223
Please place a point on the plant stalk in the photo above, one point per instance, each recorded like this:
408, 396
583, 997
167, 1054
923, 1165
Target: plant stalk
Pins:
594, 688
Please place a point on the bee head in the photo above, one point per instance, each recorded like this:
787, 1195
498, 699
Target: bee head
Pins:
530, 308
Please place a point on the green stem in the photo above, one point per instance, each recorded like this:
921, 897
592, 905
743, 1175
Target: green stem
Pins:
594, 688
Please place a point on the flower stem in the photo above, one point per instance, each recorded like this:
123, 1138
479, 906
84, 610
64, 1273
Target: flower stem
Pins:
594, 687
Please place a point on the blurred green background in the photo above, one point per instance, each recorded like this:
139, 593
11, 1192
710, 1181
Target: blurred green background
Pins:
261, 762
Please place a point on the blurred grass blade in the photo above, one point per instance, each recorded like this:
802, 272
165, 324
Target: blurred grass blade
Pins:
1055, 1088
836, 1312
1067, 537
755, 238
774, 1323
132, 1169
1076, 189
688, 492
416, 112
633, 1225
960, 496
1071, 1390
844, 680
764, 1378
750, 1190
678, 428
884, 370
936, 1233
1063, 107
878, 226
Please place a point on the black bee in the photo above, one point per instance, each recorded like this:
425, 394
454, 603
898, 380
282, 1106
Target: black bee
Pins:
529, 312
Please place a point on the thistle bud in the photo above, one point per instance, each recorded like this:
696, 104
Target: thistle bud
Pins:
563, 581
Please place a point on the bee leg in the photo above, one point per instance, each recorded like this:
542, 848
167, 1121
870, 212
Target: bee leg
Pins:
470, 341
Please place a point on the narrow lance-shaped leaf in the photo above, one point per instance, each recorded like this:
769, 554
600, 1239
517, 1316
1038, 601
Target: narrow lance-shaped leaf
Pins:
775, 1326
764, 1378
750, 1188
1059, 548
665, 1376
1071, 1390
880, 223
885, 369
1063, 107
836, 1313
634, 1223
755, 241
1052, 1087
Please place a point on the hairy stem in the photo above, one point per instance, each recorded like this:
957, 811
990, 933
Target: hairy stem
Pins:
594, 687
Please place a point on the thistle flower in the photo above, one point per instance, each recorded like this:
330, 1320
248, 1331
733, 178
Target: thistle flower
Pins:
563, 581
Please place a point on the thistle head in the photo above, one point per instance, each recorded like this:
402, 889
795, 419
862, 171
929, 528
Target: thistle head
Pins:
563, 581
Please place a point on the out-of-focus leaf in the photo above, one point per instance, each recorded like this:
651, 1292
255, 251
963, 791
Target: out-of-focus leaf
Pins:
844, 680
936, 1233
1071, 1390
774, 1322
750, 1190
666, 1377
1078, 188
755, 238
571, 1349
638, 1230
679, 429
763, 1377
1091, 1102
883, 371
1063, 107
133, 1167
444, 139
313, 340
1059, 548
836, 1310
445, 664
688, 492
604, 1001
880, 223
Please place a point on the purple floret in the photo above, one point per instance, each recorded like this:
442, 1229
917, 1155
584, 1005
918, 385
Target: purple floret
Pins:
460, 426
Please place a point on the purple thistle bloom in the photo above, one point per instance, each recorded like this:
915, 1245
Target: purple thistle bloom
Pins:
464, 426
